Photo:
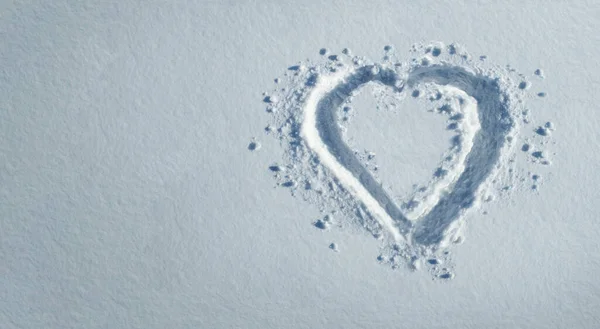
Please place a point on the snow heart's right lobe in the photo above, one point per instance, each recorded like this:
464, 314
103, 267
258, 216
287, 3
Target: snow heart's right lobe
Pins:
496, 122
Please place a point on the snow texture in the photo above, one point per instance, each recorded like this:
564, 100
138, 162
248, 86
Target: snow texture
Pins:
137, 165
487, 104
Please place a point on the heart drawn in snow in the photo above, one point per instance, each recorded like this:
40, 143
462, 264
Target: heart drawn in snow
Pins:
306, 121
487, 135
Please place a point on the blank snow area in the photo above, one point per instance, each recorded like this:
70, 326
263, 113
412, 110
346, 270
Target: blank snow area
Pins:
407, 142
130, 196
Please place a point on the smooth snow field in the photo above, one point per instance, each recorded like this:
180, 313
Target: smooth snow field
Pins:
345, 164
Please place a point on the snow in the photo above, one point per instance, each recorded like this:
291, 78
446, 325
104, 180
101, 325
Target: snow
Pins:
310, 133
487, 103
131, 197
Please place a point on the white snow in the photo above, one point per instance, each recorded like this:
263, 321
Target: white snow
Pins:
130, 196
470, 127
310, 134
307, 116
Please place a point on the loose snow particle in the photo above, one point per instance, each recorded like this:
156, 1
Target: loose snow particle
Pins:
447, 276
549, 125
254, 146
452, 126
399, 84
440, 172
346, 51
321, 224
323, 51
415, 263
541, 94
271, 99
276, 168
388, 48
333, 246
434, 261
541, 131
525, 147
446, 108
436, 96
457, 140
375, 70
524, 85
312, 80
457, 117
539, 73
290, 183
538, 154
452, 49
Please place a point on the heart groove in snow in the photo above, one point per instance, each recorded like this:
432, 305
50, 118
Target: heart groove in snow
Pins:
323, 135
305, 119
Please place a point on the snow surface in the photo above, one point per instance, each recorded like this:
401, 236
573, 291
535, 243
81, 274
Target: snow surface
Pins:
136, 190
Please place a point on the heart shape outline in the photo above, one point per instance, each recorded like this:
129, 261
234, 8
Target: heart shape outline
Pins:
493, 108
